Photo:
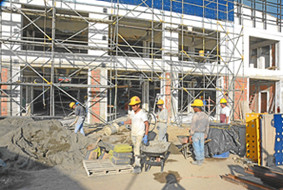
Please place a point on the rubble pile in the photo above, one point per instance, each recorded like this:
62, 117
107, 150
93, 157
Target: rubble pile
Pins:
31, 145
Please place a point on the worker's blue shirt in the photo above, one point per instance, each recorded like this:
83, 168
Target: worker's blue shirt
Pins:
80, 111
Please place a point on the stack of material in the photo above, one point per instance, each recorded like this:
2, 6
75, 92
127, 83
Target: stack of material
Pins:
93, 151
121, 154
260, 178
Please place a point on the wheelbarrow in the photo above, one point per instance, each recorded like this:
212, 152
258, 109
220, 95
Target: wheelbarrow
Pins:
155, 154
187, 146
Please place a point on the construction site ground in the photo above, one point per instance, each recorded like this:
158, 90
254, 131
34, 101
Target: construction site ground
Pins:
188, 176
28, 169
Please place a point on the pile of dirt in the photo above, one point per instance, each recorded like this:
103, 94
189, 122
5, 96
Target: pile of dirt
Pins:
167, 177
32, 145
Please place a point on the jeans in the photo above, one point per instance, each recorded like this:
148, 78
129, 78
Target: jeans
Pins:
162, 129
79, 125
198, 144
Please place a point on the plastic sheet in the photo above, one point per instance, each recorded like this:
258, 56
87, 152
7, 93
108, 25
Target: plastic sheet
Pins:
220, 9
225, 138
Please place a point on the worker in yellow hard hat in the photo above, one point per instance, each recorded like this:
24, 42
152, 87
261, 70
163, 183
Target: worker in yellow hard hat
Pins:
162, 119
199, 131
224, 112
139, 129
224, 118
80, 117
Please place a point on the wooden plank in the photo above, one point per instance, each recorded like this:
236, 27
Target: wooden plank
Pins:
268, 134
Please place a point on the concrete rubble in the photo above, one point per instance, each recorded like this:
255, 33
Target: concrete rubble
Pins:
37, 144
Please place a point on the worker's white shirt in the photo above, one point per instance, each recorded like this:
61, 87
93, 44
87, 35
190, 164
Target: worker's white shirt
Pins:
162, 116
138, 119
226, 111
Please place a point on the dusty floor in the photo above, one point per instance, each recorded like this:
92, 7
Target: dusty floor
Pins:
69, 173
187, 176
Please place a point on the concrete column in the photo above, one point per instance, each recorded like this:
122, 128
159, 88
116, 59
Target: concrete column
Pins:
97, 100
16, 90
103, 95
145, 95
98, 37
4, 99
11, 24
170, 45
98, 34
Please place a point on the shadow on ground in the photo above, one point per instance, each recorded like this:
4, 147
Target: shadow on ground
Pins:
21, 172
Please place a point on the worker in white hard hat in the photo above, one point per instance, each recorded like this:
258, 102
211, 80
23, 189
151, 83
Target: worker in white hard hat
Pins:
139, 129
224, 112
162, 118
199, 131
80, 117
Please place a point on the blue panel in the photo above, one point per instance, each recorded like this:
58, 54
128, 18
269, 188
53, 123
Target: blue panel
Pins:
278, 124
191, 7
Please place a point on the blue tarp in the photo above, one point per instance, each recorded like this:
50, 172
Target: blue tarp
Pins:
191, 7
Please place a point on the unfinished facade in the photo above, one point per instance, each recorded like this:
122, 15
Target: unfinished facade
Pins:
101, 53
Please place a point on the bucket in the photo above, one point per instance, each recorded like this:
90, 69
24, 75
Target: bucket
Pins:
223, 155
201, 53
111, 129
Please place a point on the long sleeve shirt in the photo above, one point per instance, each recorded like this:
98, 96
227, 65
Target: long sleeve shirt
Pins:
163, 116
200, 123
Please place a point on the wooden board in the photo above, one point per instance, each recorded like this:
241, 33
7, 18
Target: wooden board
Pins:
268, 134
105, 167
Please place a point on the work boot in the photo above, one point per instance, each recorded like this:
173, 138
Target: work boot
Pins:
197, 162
137, 170
200, 162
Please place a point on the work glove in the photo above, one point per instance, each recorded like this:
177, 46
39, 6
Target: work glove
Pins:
121, 123
145, 140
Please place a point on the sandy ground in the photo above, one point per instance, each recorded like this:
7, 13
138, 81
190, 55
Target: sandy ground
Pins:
178, 173
188, 176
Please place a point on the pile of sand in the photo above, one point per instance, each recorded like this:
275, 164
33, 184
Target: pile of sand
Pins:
32, 145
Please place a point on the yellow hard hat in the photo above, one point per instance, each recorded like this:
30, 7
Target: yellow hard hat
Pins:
135, 100
160, 102
72, 104
197, 103
223, 101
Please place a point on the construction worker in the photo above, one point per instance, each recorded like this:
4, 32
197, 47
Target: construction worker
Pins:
139, 130
162, 118
224, 118
80, 117
224, 112
199, 131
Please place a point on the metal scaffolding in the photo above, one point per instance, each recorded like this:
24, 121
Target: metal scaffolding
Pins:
194, 70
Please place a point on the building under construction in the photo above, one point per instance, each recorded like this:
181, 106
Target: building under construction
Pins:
101, 53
